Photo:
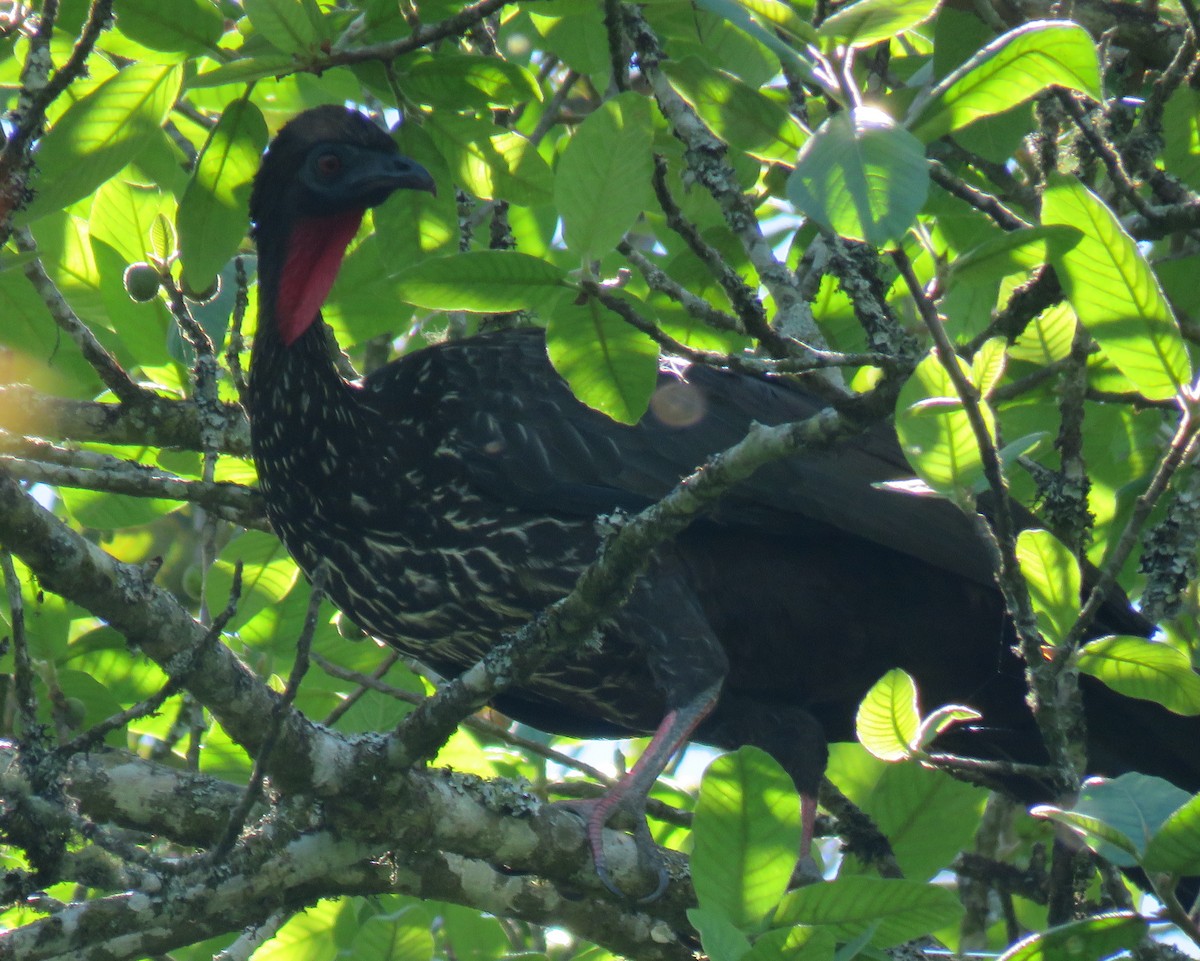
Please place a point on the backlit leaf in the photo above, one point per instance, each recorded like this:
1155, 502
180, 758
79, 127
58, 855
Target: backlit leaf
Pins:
1052, 574
285, 24
187, 26
1117, 818
888, 717
1137, 667
1115, 293
746, 836
212, 214
101, 133
897, 910
1011, 69
483, 281
602, 184
869, 21
1100, 936
935, 432
608, 364
861, 176
1175, 847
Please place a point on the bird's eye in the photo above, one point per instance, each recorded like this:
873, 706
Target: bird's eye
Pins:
329, 164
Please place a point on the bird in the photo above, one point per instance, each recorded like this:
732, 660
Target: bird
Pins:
453, 493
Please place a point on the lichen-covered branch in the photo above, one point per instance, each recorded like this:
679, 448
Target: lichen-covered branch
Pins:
157, 421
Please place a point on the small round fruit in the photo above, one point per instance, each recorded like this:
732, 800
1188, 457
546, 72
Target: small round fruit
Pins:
74, 712
141, 282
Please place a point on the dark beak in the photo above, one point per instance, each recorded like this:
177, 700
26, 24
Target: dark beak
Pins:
384, 174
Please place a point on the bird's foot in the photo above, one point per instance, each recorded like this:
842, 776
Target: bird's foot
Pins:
596, 813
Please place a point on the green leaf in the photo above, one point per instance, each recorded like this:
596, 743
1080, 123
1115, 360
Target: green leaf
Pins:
746, 836
188, 26
268, 575
1151, 670
721, 939
1175, 847
246, 70
1048, 338
1181, 133
869, 21
285, 24
1117, 818
491, 164
926, 815
123, 216
1100, 936
888, 717
108, 512
987, 366
781, 16
935, 432
941, 720
737, 113
472, 935
575, 33
1052, 574
743, 116
737, 14
482, 281
797, 943
609, 365
101, 133
899, 910
1012, 253
308, 935
521, 175
1115, 293
212, 214
458, 81
603, 180
1009, 70
402, 935
861, 176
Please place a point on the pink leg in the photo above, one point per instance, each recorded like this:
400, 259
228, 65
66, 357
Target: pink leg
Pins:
635, 786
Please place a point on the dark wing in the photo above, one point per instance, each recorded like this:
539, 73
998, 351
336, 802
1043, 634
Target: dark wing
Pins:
527, 441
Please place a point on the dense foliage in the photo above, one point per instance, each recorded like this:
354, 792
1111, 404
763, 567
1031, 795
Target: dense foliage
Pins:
971, 217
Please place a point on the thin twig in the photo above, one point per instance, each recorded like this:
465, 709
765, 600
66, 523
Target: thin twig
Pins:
1181, 448
39, 89
983, 202
423, 35
745, 301
282, 706
473, 721
111, 373
235, 344
745, 363
550, 113
234, 502
1105, 152
178, 676
365, 683
705, 156
1040, 674
22, 663
699, 308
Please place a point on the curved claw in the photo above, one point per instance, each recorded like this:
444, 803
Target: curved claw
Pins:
648, 851
596, 814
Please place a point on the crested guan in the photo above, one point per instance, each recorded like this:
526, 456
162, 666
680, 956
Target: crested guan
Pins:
454, 493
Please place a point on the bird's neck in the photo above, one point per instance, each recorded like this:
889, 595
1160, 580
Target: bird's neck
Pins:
314, 256
291, 365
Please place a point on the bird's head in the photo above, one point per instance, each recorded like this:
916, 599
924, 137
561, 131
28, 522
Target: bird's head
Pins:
317, 178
